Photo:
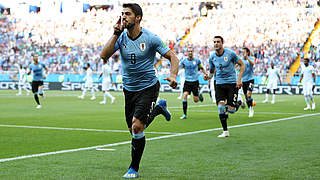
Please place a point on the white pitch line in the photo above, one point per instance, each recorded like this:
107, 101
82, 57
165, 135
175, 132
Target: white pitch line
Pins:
77, 129
242, 112
154, 138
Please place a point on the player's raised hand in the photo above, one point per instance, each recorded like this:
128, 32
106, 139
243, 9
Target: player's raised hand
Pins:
118, 28
172, 82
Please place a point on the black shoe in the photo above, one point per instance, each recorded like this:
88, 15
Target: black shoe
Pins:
200, 97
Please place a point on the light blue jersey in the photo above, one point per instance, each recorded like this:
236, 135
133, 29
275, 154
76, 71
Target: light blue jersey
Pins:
137, 59
191, 68
248, 72
37, 71
224, 65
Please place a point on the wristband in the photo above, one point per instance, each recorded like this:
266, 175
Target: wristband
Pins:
117, 33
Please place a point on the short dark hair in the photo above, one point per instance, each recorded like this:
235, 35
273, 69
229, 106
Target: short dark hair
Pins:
220, 37
248, 51
136, 9
307, 59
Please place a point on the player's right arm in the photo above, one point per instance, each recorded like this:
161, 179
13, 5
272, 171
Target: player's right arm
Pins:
109, 48
211, 70
173, 69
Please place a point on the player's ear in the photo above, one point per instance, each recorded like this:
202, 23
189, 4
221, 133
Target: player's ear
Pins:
138, 18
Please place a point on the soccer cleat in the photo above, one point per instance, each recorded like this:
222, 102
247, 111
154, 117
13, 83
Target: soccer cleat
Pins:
180, 97
272, 102
102, 102
38, 107
224, 134
163, 109
183, 117
265, 101
28, 93
80, 97
112, 100
200, 97
18, 94
251, 112
313, 107
307, 108
93, 98
131, 174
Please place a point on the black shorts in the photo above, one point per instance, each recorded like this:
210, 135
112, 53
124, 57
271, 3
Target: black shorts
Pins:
247, 86
227, 92
35, 86
191, 87
140, 104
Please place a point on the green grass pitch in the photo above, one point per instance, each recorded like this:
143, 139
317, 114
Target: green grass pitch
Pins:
179, 149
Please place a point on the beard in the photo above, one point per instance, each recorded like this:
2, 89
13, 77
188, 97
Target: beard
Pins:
129, 25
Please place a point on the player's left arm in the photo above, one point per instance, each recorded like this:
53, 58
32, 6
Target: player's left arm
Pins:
314, 80
174, 61
200, 66
46, 71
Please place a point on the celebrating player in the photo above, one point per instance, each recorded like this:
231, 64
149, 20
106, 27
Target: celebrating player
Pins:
138, 48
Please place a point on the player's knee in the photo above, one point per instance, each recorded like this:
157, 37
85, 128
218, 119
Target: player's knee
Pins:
137, 126
221, 109
196, 99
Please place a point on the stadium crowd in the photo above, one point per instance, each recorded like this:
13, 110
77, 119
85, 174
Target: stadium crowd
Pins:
274, 30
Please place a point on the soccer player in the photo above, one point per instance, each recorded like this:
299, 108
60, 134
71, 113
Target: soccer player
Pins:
191, 65
272, 76
37, 82
222, 63
138, 48
248, 79
88, 84
106, 82
22, 79
309, 78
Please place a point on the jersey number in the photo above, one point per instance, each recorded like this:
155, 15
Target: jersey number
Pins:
133, 58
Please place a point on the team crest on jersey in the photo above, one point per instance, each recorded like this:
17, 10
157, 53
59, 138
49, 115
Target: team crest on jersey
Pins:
225, 58
143, 46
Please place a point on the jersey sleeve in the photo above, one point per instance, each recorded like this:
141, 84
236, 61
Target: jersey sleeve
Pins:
159, 45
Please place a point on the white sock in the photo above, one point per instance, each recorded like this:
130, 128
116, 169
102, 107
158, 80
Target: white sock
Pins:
84, 92
267, 96
240, 98
92, 92
107, 94
273, 97
19, 87
311, 98
306, 98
